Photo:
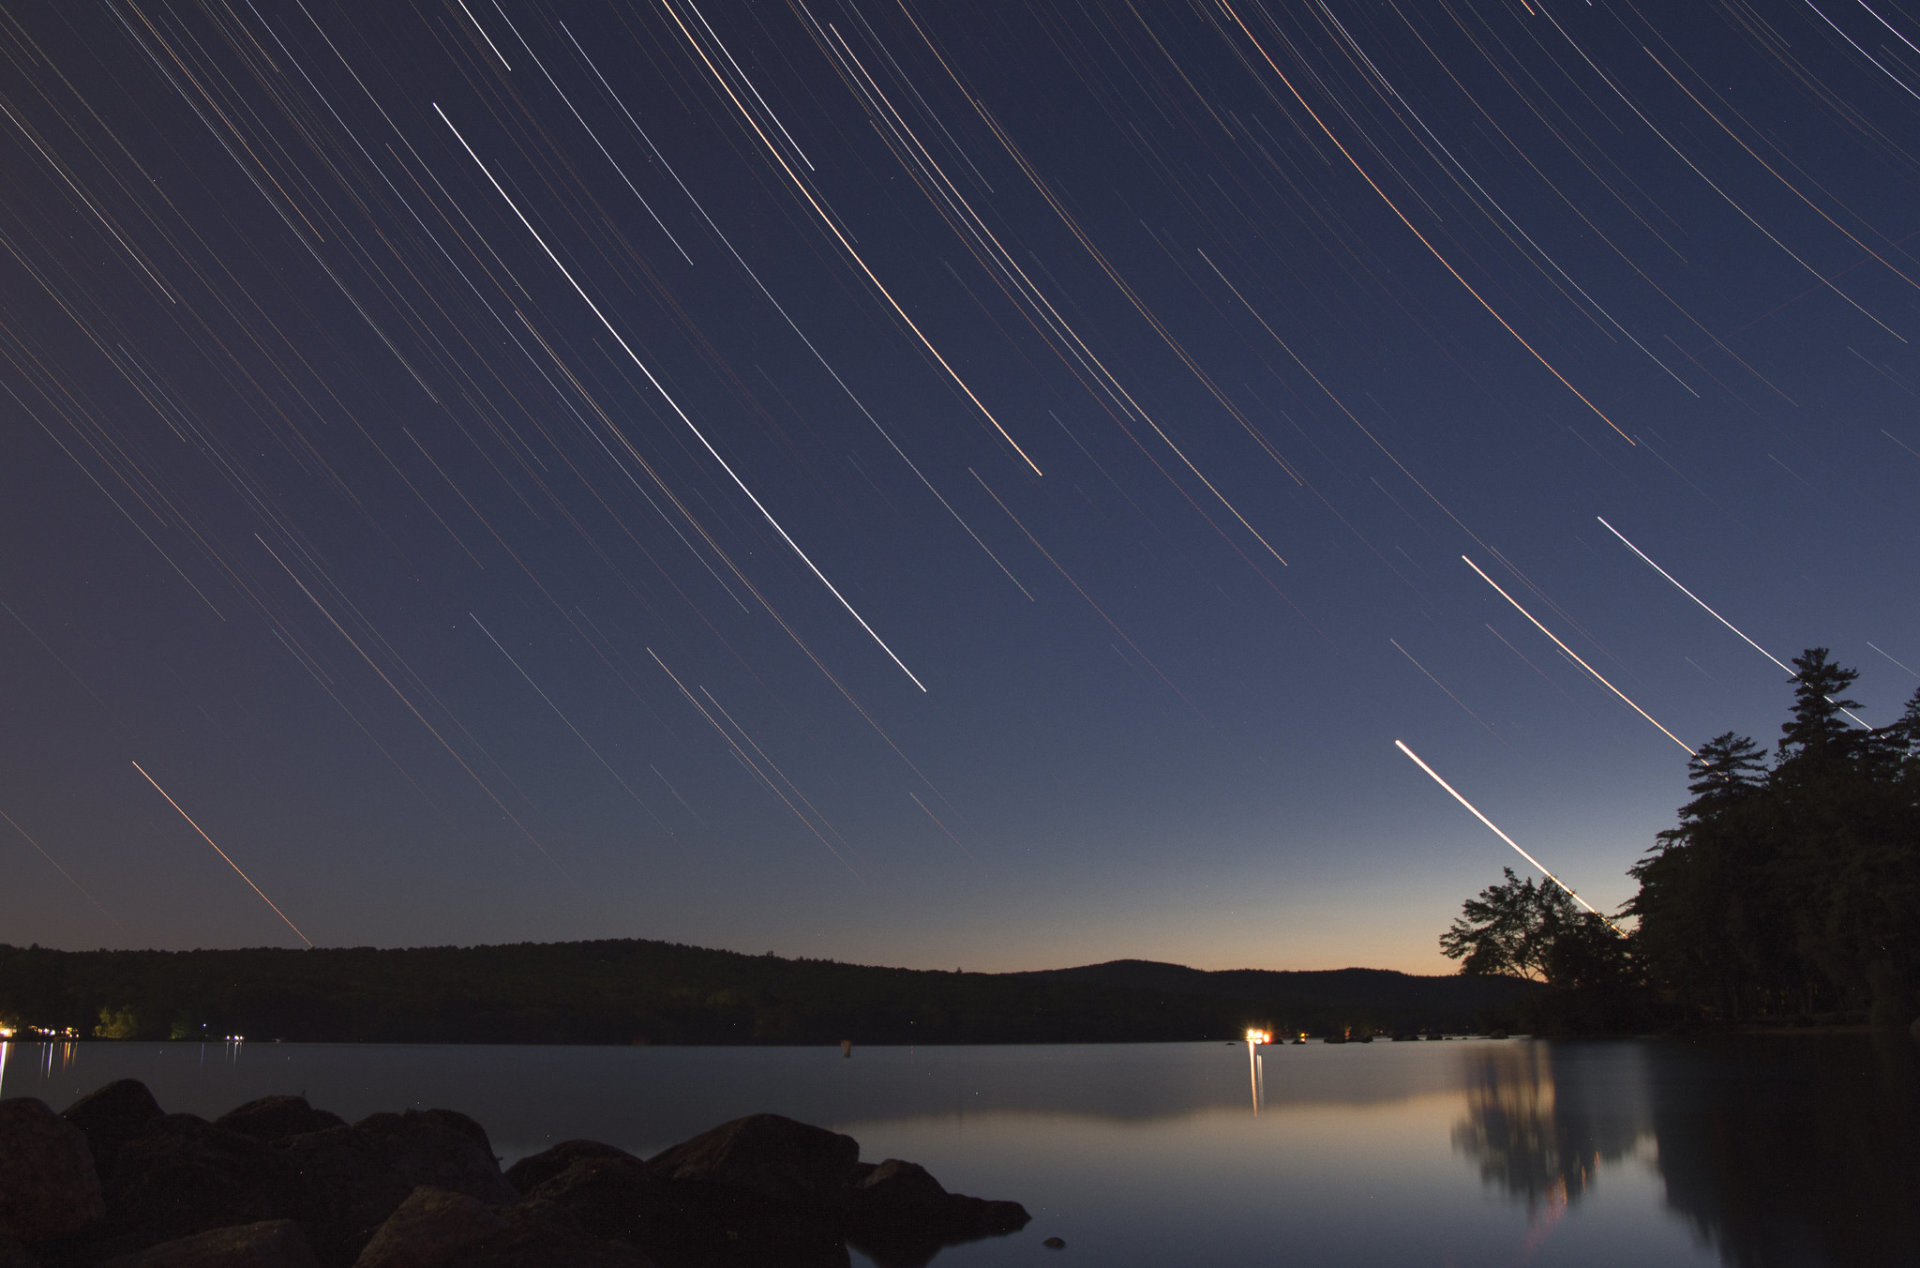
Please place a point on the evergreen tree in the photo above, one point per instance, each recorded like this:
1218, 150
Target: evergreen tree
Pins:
1709, 931
1792, 888
1848, 822
1819, 729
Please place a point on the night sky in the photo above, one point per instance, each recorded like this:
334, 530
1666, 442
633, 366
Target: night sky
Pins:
927, 484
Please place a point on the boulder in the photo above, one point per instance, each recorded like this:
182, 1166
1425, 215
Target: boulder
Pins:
267, 1244
431, 1227
769, 1155
112, 1115
617, 1196
896, 1186
759, 1190
274, 1118
693, 1223
361, 1174
435, 1228
48, 1185
900, 1216
534, 1170
187, 1176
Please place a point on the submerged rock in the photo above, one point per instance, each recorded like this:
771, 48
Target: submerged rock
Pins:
48, 1184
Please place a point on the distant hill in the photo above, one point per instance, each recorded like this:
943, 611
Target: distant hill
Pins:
1416, 1001
630, 990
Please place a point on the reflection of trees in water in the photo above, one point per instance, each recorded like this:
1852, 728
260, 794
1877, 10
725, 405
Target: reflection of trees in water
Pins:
1787, 1152
1795, 1151
1539, 1123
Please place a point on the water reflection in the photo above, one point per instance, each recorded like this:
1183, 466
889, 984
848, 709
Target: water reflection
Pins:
1795, 1151
1538, 1125
1764, 1153
1779, 1152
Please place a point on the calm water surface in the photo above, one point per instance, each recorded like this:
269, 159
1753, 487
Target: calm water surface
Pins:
1788, 1151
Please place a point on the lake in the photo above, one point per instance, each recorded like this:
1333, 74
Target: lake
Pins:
1795, 1150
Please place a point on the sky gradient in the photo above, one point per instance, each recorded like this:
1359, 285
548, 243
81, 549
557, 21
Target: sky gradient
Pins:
934, 485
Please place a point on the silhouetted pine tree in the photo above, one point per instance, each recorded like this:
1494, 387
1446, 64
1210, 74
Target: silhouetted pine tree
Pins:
1794, 888
1706, 914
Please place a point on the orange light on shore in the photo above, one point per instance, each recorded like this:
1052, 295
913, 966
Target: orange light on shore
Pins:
1259, 1036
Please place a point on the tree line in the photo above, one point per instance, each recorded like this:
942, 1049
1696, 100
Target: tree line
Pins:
1790, 888
638, 991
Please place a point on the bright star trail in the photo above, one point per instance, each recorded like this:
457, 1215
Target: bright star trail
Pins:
1788, 669
925, 484
1495, 829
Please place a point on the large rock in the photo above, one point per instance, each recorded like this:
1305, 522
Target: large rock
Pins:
361, 1174
535, 1170
759, 1190
48, 1185
435, 1228
187, 1176
900, 1216
616, 1196
431, 1227
693, 1223
268, 1244
774, 1157
274, 1118
112, 1115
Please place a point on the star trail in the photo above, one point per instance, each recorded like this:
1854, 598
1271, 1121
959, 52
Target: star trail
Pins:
926, 484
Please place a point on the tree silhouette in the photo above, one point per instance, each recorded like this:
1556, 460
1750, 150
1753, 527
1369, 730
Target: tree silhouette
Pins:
1510, 928
1789, 887
1792, 888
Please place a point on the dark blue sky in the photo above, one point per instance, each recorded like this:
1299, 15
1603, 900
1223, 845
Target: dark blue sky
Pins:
453, 448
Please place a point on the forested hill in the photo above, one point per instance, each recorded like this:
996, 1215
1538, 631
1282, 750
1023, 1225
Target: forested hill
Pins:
1380, 991
632, 991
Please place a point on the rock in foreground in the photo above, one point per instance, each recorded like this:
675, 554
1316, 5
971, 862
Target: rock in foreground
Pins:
118, 1183
48, 1185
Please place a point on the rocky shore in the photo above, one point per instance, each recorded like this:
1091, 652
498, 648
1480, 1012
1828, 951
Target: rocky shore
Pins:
116, 1182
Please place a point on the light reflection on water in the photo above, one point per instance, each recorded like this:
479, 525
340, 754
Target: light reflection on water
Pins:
1790, 1151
